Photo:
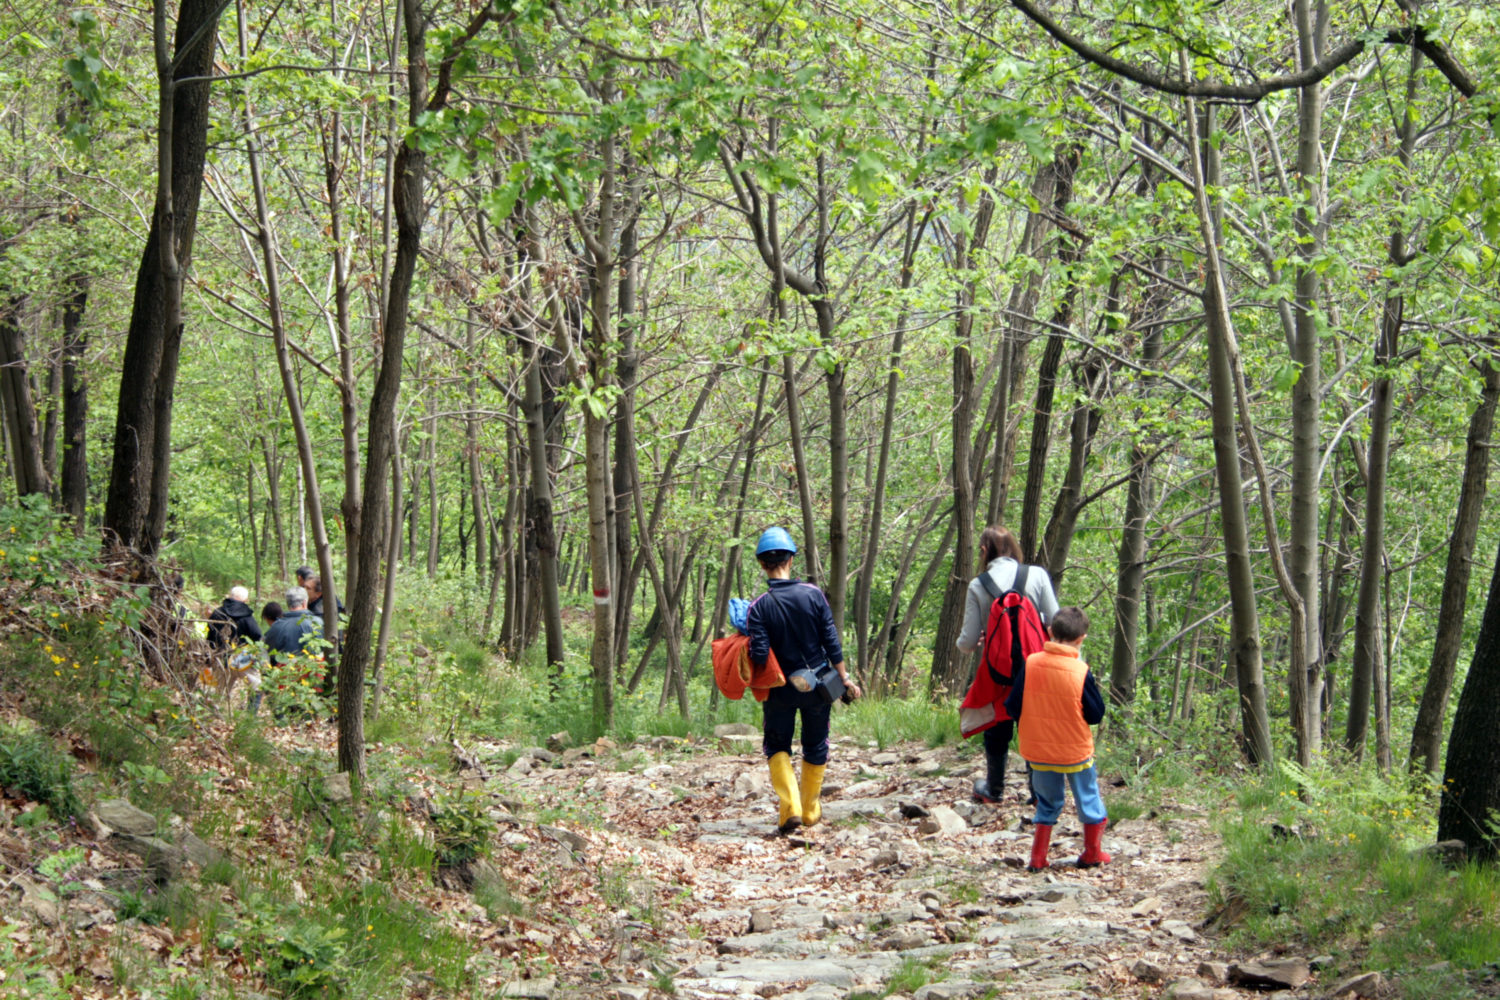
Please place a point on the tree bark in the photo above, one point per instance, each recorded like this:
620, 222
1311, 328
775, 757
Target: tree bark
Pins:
1130, 560
1427, 731
1245, 644
411, 211
271, 276
1471, 775
1310, 17
947, 674
135, 507
75, 465
1368, 646
20, 408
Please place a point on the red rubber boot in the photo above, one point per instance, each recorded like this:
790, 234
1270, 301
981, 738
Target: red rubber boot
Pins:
1093, 850
1041, 839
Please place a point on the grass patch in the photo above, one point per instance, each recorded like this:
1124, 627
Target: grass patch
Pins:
1350, 880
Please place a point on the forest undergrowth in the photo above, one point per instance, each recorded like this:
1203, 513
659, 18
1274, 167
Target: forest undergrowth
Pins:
307, 894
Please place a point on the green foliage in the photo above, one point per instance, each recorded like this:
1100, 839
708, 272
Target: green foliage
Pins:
32, 767
302, 957
1341, 871
463, 827
38, 547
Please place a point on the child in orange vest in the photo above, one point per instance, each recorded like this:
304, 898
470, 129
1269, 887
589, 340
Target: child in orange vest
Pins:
1054, 701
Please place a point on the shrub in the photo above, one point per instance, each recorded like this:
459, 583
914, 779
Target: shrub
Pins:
463, 827
32, 767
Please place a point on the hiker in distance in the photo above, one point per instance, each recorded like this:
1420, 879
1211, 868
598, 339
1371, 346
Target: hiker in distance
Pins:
1003, 570
793, 619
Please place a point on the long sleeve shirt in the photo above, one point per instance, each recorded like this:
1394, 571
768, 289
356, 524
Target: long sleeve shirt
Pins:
977, 601
1092, 701
793, 619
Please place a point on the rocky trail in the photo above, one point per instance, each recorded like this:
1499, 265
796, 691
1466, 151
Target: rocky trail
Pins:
908, 889
652, 870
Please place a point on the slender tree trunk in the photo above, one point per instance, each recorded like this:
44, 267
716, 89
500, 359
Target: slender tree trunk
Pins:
1245, 644
135, 508
352, 506
947, 673
1130, 560
1069, 503
75, 465
1427, 731
1311, 22
410, 211
271, 276
1052, 190
20, 409
388, 597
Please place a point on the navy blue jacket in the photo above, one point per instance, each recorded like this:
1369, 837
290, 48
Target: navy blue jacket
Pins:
288, 633
1092, 701
793, 619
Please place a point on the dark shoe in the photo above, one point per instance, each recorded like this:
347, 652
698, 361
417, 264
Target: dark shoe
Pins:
982, 792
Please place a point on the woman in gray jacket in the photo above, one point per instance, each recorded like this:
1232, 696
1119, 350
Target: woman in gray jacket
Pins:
1001, 558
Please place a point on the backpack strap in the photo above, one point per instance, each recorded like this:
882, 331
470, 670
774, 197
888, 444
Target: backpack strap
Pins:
990, 586
1019, 584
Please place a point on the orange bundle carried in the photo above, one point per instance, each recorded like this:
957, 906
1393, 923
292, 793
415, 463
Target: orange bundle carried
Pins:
733, 672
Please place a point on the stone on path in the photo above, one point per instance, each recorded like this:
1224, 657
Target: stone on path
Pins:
122, 817
1148, 971
1146, 907
530, 989
751, 783
1216, 973
560, 741
764, 970
1366, 984
942, 820
954, 990
1270, 973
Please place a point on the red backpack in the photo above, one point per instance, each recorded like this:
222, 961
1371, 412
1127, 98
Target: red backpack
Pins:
1013, 632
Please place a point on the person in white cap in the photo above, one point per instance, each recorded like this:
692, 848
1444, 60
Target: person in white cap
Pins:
233, 623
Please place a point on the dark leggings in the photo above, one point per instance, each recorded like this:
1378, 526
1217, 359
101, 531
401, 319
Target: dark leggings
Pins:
996, 751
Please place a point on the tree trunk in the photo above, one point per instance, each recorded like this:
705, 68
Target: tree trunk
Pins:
411, 211
271, 276
75, 465
1306, 693
135, 507
19, 407
1471, 775
1130, 560
1052, 190
1069, 503
1244, 629
388, 597
1427, 731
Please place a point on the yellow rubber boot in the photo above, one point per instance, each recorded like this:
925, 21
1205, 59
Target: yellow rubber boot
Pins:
812, 789
784, 780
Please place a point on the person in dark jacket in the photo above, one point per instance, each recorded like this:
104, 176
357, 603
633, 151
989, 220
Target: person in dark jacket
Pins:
233, 622
296, 626
793, 619
315, 598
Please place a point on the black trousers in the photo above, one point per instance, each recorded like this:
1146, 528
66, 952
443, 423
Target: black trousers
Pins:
996, 752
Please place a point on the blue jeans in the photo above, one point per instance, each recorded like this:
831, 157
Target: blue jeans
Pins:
1051, 792
780, 721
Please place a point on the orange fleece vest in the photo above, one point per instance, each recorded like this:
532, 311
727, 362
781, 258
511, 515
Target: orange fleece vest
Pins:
1052, 726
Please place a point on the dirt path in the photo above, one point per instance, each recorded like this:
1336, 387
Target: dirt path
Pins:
907, 887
